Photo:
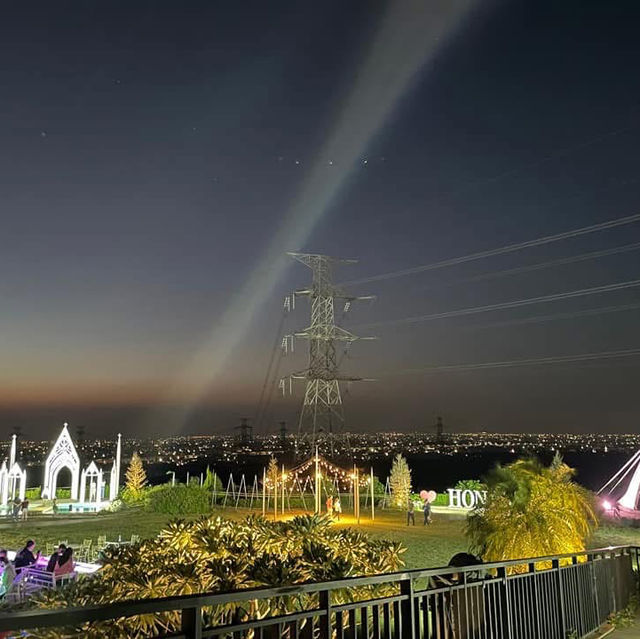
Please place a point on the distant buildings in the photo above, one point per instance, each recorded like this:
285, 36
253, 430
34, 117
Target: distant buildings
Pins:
183, 450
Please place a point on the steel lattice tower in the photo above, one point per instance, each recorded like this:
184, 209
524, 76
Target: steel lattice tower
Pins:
322, 416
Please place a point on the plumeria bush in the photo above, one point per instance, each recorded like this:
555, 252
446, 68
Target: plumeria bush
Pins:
215, 555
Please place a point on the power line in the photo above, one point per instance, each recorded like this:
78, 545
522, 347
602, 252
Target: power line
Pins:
510, 248
582, 257
538, 319
261, 408
558, 153
558, 359
607, 288
266, 412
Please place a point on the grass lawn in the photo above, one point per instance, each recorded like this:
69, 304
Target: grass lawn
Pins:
427, 547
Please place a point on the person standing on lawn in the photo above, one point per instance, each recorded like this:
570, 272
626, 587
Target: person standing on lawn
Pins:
411, 516
426, 509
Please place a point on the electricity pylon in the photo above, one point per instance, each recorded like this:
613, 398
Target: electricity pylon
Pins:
322, 416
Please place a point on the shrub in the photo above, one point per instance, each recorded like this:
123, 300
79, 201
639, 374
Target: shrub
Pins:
115, 506
442, 499
470, 484
178, 500
33, 493
217, 555
212, 482
378, 487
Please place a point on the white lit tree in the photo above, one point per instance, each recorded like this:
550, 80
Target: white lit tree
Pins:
273, 474
400, 480
136, 477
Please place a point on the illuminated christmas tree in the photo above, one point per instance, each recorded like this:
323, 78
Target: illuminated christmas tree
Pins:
136, 477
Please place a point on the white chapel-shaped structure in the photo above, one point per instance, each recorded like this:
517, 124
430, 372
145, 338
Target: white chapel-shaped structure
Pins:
62, 455
91, 484
13, 479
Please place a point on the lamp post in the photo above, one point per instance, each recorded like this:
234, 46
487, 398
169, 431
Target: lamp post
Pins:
318, 486
284, 477
173, 476
373, 506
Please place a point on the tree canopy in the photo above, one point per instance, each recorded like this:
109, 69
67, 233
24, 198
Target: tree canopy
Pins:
531, 510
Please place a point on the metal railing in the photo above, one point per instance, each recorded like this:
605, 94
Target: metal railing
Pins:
557, 597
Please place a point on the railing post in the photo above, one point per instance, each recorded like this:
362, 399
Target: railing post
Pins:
407, 610
505, 608
555, 565
324, 600
591, 559
612, 581
536, 599
191, 622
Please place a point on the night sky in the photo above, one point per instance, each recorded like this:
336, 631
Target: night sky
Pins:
157, 160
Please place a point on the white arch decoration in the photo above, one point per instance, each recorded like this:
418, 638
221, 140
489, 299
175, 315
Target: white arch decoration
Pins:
114, 479
94, 476
16, 482
4, 484
62, 455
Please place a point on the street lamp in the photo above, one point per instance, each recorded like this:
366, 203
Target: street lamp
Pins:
173, 476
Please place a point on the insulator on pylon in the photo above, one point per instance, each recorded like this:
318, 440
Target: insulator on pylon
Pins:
287, 344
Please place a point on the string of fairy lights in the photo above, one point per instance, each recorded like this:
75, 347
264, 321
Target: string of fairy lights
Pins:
305, 472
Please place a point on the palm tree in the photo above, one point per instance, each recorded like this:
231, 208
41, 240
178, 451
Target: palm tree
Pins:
531, 511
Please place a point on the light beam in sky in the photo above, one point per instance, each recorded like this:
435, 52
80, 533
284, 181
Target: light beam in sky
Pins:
409, 35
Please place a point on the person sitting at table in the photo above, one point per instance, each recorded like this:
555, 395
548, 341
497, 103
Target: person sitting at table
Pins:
53, 560
26, 557
65, 564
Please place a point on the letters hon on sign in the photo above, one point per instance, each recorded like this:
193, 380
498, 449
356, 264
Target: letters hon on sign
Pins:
466, 498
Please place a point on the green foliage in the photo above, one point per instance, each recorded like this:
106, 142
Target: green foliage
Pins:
470, 484
378, 487
136, 480
442, 499
33, 493
178, 500
531, 511
217, 555
212, 482
400, 481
